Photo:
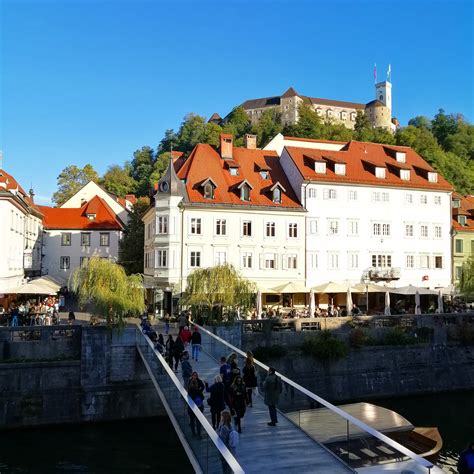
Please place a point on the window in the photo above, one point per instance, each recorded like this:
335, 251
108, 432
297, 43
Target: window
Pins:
195, 260
381, 260
409, 230
352, 195
320, 167
312, 193
313, 260
91, 217
208, 191
437, 232
104, 239
333, 227
246, 260
353, 116
380, 229
313, 226
277, 195
247, 228
410, 261
162, 225
462, 220
343, 115
458, 272
352, 227
293, 230
456, 203
438, 261
329, 194
459, 245
292, 261
65, 238
340, 169
83, 261
423, 231
85, 239
379, 172
432, 177
437, 200
385, 197
221, 227
270, 229
162, 258
264, 174
245, 193
405, 175
423, 199
409, 198
401, 156
220, 258
376, 197
352, 260
270, 261
196, 225
64, 263
424, 260
386, 229
234, 171
333, 260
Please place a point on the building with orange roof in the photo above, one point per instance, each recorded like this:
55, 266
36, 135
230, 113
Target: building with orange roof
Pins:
232, 205
463, 232
21, 234
374, 212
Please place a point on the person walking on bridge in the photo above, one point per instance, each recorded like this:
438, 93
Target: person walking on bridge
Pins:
196, 343
216, 400
196, 392
250, 378
272, 387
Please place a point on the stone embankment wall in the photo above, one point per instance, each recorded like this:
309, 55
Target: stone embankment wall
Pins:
73, 375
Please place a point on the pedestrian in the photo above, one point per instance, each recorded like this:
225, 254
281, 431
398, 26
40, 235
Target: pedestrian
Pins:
273, 388
466, 460
234, 369
178, 350
249, 376
196, 392
225, 373
169, 350
355, 311
186, 336
182, 321
186, 368
167, 323
229, 437
216, 400
71, 318
161, 339
239, 401
196, 343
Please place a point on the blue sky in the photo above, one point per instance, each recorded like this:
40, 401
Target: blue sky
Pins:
90, 81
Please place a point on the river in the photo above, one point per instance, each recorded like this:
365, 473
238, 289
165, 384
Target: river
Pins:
146, 446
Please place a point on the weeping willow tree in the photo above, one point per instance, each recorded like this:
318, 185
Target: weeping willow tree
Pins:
105, 285
218, 289
466, 284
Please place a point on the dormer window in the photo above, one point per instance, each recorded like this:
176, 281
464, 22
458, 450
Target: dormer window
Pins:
264, 174
320, 167
462, 220
208, 188
329, 113
340, 169
244, 188
405, 175
91, 217
456, 203
432, 177
379, 172
401, 156
234, 171
343, 115
277, 190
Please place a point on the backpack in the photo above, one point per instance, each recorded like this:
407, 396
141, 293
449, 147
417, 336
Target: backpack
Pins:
233, 439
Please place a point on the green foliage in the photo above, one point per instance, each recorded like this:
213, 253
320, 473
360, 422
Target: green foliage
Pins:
325, 347
268, 353
71, 180
142, 167
106, 286
238, 124
132, 242
211, 290
118, 180
466, 284
267, 127
309, 124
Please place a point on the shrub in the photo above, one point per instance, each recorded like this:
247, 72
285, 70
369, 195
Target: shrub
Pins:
397, 337
266, 353
325, 347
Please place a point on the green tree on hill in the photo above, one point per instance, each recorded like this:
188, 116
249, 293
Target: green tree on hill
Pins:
118, 180
72, 179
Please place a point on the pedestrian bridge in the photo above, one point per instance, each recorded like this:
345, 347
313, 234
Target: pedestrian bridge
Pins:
286, 448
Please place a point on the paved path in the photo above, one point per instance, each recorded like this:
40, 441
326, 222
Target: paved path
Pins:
284, 448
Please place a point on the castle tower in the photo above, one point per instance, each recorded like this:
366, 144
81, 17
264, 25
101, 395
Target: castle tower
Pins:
383, 93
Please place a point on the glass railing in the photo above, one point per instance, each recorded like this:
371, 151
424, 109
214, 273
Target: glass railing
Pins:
354, 442
206, 451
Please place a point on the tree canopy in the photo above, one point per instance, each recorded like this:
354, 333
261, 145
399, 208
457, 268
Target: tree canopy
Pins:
72, 179
112, 294
466, 284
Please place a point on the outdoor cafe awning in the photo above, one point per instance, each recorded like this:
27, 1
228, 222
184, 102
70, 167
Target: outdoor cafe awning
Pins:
412, 290
333, 287
47, 281
371, 288
291, 287
32, 288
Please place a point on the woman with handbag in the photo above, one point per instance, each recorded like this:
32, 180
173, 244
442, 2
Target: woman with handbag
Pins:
216, 400
250, 377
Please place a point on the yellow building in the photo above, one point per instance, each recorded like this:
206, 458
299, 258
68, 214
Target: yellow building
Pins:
463, 232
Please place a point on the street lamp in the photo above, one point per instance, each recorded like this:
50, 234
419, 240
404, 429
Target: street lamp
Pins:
366, 282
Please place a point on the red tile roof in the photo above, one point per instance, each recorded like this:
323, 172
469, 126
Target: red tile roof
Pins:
205, 162
76, 218
466, 209
8, 182
361, 158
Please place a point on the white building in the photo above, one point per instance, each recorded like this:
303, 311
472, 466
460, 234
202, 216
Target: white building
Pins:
20, 234
230, 206
375, 212
74, 234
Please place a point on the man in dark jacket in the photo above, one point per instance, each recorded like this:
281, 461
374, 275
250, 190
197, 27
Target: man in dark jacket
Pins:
186, 368
466, 460
196, 343
272, 387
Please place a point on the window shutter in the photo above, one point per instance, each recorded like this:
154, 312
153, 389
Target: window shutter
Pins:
284, 261
276, 261
262, 261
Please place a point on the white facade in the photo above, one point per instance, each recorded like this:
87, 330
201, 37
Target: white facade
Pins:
65, 250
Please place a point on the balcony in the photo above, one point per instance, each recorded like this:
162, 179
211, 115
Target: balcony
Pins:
384, 273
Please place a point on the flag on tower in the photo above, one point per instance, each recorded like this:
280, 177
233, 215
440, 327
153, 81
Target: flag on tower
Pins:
389, 72
375, 72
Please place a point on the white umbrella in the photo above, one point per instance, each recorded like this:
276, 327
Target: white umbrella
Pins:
349, 301
440, 302
291, 287
412, 290
417, 303
312, 304
259, 304
387, 311
332, 287
369, 288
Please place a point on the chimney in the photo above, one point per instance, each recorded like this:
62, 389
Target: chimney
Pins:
250, 141
226, 146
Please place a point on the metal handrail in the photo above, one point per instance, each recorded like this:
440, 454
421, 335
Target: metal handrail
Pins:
224, 451
333, 408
